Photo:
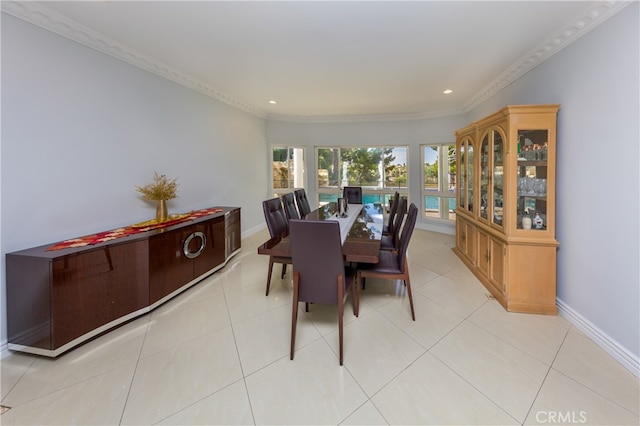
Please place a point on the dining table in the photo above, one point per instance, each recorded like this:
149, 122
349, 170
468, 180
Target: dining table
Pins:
360, 230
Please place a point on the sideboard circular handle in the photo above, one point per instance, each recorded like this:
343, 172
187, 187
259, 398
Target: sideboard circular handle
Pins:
203, 244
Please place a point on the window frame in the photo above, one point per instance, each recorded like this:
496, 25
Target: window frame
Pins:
277, 192
444, 193
385, 192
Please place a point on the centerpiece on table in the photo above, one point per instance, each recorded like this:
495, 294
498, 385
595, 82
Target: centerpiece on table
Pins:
160, 190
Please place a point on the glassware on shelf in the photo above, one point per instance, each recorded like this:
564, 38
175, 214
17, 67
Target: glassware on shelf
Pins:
534, 187
535, 152
483, 204
497, 215
541, 187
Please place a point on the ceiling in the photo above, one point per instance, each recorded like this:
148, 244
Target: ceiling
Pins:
328, 60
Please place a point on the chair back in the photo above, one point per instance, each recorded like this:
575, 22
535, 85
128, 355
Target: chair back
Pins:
397, 223
395, 203
275, 217
407, 230
316, 249
303, 203
353, 194
289, 203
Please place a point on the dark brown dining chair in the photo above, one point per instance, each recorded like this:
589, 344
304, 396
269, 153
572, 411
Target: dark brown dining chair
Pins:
392, 241
302, 202
393, 209
392, 265
289, 204
319, 274
353, 194
278, 226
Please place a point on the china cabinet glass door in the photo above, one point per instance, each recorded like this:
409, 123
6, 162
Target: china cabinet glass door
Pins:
470, 175
465, 193
491, 177
484, 178
532, 179
462, 181
497, 176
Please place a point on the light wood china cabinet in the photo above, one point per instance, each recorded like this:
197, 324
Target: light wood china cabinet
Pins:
505, 215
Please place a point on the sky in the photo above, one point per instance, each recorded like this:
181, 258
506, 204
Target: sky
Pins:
400, 154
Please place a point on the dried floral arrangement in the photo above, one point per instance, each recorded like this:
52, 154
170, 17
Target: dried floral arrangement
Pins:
161, 188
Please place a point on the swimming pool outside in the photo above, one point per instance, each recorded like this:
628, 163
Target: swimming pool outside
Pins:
431, 203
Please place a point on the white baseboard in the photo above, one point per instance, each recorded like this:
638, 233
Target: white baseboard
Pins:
447, 228
249, 232
4, 349
628, 360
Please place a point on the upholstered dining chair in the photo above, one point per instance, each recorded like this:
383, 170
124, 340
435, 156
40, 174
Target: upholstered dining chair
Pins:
393, 209
392, 265
391, 241
353, 194
290, 209
278, 226
319, 274
302, 202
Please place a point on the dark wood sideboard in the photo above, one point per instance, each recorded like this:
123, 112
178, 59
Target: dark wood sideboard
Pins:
58, 299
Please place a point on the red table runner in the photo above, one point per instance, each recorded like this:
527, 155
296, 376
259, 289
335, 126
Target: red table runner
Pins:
149, 225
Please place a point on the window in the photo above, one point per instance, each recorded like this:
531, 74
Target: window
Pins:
287, 169
380, 171
439, 183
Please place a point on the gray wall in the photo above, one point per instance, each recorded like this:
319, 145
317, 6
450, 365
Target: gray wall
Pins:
80, 129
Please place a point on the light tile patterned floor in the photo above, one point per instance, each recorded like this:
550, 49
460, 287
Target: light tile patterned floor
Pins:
218, 354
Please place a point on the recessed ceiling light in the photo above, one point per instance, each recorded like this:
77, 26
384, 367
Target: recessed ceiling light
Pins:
448, 91
272, 102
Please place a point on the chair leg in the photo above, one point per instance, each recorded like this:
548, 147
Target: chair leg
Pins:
284, 271
340, 313
356, 289
354, 298
294, 314
269, 274
407, 282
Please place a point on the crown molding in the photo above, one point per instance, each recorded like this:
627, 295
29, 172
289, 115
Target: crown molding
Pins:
46, 18
365, 118
590, 18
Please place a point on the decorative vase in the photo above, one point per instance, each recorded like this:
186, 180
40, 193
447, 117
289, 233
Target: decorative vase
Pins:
538, 221
526, 221
161, 211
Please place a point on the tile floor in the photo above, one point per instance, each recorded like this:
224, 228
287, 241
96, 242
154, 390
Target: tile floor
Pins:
218, 354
